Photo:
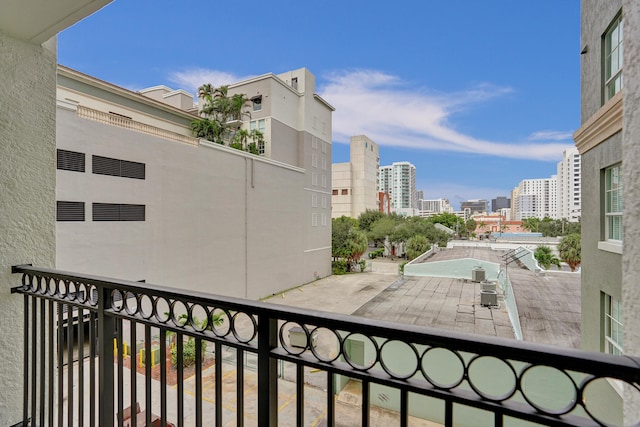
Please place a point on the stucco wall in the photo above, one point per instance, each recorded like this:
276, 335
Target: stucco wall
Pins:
631, 179
601, 270
217, 220
596, 16
27, 183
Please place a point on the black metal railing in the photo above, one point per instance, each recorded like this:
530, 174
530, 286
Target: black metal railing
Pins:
109, 352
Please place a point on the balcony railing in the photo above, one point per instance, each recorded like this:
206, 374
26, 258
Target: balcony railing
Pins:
91, 343
127, 123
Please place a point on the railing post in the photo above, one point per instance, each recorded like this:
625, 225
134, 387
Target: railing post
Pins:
106, 332
267, 372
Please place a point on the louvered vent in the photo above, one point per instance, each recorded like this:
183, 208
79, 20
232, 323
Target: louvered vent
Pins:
116, 167
70, 161
70, 211
118, 212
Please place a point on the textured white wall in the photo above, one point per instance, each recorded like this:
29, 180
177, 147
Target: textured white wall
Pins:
27, 194
631, 179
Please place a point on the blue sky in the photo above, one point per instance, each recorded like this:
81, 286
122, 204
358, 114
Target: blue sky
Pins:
478, 95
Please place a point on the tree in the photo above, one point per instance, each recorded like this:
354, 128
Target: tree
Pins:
482, 226
340, 228
531, 224
570, 250
220, 114
471, 225
347, 241
447, 219
368, 218
416, 246
545, 257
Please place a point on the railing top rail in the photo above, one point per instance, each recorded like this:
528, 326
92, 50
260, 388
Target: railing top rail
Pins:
626, 367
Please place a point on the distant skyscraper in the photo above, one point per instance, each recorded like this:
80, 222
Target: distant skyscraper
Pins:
419, 195
500, 202
535, 198
399, 180
569, 184
475, 206
433, 207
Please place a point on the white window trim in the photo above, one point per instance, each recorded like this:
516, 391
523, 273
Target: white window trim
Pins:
613, 246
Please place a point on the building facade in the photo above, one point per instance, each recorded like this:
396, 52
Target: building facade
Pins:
141, 199
535, 198
355, 184
568, 187
475, 206
500, 202
399, 180
428, 208
601, 145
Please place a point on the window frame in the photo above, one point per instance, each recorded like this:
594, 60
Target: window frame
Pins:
613, 196
612, 324
613, 79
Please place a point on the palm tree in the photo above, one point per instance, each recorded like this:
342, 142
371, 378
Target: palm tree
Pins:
221, 113
530, 224
240, 138
570, 250
545, 257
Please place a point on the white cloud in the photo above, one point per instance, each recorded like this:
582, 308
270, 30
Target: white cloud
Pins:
551, 135
380, 106
192, 79
390, 112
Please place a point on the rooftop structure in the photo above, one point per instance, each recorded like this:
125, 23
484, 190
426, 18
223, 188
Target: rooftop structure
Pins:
355, 184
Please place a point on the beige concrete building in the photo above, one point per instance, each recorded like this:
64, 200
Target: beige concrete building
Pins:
355, 184
139, 198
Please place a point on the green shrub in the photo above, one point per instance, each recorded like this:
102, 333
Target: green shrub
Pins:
401, 267
188, 353
377, 253
340, 266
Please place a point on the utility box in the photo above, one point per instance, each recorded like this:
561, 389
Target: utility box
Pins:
478, 274
488, 298
298, 338
487, 286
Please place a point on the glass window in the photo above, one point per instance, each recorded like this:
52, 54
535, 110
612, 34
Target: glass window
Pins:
257, 103
613, 203
612, 325
613, 59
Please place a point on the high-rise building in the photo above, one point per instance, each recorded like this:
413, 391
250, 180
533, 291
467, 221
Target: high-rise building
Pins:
500, 202
535, 198
568, 205
428, 208
475, 206
399, 180
355, 184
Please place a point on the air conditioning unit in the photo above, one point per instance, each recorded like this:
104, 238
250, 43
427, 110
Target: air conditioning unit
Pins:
477, 274
488, 298
487, 286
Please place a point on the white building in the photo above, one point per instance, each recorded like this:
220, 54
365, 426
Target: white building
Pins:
355, 183
139, 198
399, 180
535, 198
431, 207
569, 184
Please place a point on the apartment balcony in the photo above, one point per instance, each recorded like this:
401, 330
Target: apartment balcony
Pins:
108, 352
